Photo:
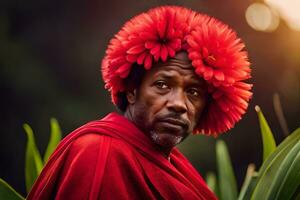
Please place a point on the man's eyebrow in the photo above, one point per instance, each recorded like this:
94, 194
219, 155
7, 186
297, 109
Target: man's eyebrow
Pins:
195, 81
164, 75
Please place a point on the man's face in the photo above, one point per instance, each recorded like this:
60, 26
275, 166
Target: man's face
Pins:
169, 101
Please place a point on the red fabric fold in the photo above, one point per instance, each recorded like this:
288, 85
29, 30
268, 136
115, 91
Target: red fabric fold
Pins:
112, 159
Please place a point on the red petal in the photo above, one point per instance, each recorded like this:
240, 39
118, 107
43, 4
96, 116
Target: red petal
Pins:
117, 61
200, 69
156, 57
194, 55
192, 43
171, 51
148, 62
136, 49
243, 85
161, 28
156, 49
164, 53
170, 33
219, 75
141, 58
150, 44
175, 44
124, 70
208, 73
197, 63
148, 36
223, 105
229, 80
131, 58
205, 52
185, 46
217, 94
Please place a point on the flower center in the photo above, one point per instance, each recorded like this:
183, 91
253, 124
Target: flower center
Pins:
163, 40
210, 61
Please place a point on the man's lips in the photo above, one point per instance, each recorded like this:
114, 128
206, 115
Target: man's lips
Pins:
174, 123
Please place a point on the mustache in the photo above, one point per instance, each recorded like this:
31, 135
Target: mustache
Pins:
175, 118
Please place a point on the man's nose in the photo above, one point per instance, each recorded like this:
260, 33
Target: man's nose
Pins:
177, 101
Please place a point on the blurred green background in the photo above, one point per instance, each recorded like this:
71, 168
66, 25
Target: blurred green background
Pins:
50, 54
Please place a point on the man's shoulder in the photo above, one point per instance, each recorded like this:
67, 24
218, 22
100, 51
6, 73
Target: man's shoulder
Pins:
96, 140
88, 140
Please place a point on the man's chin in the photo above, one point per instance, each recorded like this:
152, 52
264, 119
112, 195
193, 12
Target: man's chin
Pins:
166, 140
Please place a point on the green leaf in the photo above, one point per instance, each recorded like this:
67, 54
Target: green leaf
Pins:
291, 181
269, 144
283, 148
227, 181
276, 167
55, 137
8, 193
211, 181
249, 183
33, 161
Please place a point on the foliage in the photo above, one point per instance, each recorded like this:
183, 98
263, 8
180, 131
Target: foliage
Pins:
33, 160
211, 181
227, 182
279, 176
55, 137
7, 192
267, 136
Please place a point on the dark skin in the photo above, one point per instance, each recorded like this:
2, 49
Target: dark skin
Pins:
168, 103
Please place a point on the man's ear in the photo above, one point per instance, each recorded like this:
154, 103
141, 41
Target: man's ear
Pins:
131, 96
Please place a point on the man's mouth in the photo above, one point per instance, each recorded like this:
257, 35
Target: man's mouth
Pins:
173, 124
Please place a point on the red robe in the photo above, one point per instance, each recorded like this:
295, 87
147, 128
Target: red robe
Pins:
112, 159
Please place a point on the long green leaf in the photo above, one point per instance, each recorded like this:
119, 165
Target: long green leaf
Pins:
8, 193
272, 172
269, 185
283, 148
227, 181
33, 162
282, 171
249, 183
211, 181
55, 137
291, 180
269, 144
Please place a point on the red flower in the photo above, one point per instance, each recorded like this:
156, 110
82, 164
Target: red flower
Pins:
213, 48
155, 35
226, 106
217, 56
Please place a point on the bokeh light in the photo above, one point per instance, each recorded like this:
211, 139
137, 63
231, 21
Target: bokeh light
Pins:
262, 18
288, 10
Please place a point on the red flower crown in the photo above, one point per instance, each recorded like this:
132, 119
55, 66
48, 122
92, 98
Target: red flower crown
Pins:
214, 49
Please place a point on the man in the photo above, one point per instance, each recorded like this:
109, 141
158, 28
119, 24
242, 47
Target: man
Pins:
172, 72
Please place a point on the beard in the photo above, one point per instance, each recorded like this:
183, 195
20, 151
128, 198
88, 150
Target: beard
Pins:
165, 136
165, 140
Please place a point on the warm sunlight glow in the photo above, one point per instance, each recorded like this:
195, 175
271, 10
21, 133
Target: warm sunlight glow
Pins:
261, 18
288, 10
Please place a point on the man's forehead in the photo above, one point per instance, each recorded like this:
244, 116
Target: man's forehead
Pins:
179, 60
180, 65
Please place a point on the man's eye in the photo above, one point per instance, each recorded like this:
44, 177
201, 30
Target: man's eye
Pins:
161, 85
194, 92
